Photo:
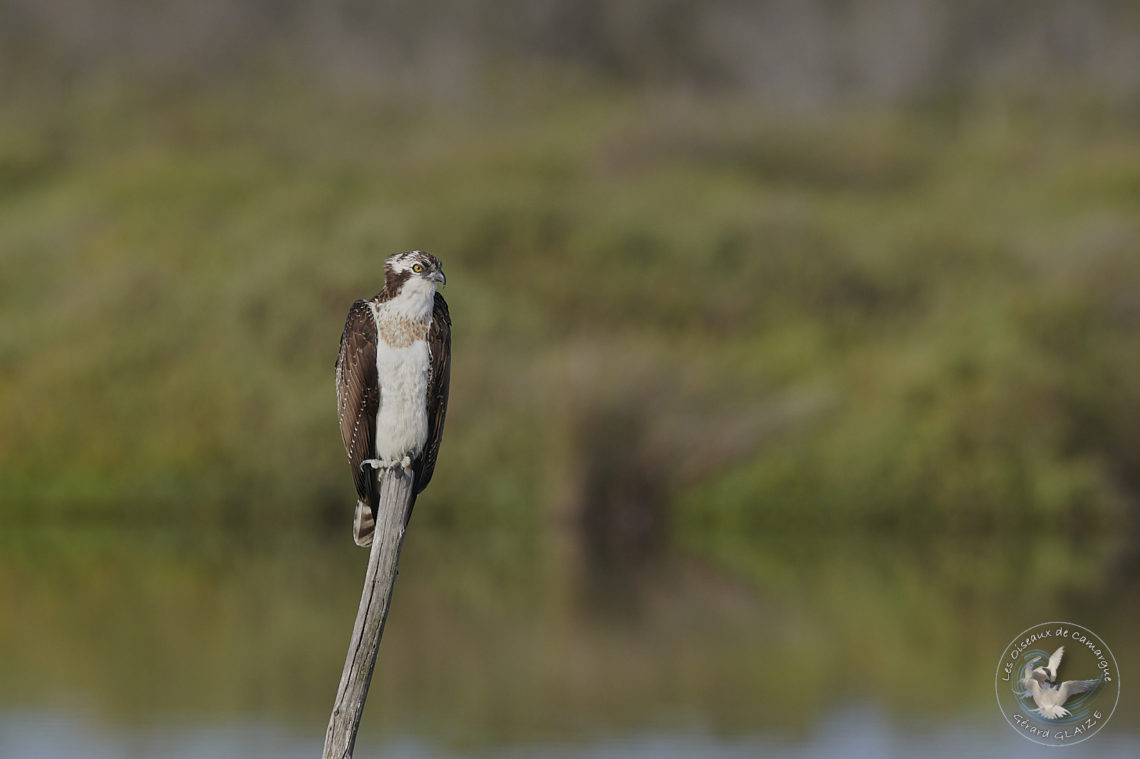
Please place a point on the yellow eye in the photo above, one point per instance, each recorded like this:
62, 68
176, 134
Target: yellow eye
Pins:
418, 268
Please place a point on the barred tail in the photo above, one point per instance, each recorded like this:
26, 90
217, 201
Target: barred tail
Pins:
363, 525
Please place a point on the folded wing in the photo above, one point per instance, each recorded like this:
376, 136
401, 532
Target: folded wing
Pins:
439, 386
358, 395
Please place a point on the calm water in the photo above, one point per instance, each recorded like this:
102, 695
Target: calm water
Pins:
150, 644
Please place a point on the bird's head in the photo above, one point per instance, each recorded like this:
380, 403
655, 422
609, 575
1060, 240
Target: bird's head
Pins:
415, 264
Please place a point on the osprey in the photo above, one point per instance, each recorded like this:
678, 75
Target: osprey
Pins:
392, 379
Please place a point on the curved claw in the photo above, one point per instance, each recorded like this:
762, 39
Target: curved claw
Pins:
405, 463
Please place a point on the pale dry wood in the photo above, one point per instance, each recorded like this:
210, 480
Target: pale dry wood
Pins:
379, 579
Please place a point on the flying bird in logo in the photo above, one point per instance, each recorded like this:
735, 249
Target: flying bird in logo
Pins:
1049, 672
1040, 684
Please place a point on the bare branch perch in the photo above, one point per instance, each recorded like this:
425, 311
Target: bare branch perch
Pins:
392, 514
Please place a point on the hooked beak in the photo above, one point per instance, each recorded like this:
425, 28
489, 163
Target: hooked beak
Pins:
438, 276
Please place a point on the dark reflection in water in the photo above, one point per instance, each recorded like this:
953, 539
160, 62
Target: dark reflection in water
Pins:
512, 644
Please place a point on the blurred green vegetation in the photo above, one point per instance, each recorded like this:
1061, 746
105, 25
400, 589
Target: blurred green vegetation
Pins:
719, 315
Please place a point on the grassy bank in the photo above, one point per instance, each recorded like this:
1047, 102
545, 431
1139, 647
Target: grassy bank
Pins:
686, 311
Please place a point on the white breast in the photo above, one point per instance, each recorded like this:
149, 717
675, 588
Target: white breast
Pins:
402, 366
401, 423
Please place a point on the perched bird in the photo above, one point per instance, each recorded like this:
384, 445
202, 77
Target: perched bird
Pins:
1050, 697
393, 374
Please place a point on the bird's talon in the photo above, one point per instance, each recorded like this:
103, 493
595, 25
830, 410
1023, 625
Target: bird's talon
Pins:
404, 463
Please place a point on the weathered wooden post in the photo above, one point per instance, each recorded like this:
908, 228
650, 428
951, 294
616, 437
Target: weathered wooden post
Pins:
379, 579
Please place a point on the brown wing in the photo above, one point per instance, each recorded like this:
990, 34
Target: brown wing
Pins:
439, 384
358, 395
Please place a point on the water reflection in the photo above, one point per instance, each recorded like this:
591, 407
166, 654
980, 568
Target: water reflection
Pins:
160, 644
846, 734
